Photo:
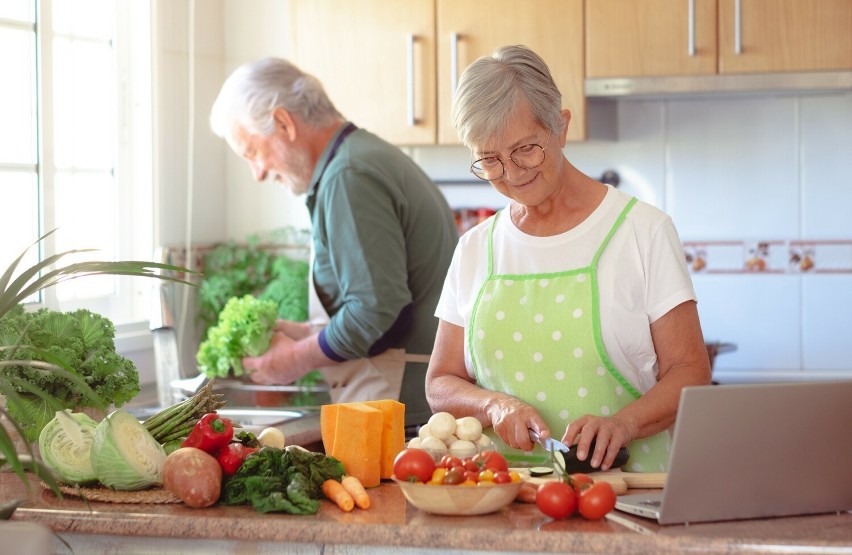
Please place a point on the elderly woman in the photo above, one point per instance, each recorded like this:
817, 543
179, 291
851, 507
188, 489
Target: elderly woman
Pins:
571, 312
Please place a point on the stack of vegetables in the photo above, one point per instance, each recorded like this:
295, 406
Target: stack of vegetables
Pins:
120, 452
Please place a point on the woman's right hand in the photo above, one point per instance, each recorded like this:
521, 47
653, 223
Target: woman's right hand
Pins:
513, 419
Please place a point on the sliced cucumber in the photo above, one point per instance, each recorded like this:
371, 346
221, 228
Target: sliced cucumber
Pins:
541, 471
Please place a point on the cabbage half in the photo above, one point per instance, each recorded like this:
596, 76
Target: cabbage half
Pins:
64, 444
125, 456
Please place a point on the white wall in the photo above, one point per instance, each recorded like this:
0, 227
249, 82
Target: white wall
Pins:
735, 167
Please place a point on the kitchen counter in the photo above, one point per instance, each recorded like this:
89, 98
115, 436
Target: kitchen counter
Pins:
394, 527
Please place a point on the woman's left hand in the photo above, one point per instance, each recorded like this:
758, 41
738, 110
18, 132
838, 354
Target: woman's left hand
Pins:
609, 432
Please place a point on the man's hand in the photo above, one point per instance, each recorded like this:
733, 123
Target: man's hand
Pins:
277, 366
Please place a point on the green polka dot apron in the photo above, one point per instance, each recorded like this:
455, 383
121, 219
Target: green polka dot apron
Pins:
538, 337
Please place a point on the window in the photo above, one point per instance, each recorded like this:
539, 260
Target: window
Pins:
75, 143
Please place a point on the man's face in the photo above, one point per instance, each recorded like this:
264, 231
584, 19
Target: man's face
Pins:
274, 156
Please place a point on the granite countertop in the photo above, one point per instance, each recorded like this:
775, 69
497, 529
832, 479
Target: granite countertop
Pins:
394, 523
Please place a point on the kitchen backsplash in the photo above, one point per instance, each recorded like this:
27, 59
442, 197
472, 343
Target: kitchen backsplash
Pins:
759, 188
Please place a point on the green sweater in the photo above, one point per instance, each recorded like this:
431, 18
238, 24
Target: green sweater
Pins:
384, 236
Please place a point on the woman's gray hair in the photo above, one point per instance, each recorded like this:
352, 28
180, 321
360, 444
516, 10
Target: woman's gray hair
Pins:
251, 93
492, 87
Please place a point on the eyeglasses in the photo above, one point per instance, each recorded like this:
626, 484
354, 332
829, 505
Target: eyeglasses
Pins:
525, 157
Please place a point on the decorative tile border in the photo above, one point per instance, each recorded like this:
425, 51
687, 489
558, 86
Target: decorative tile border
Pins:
769, 257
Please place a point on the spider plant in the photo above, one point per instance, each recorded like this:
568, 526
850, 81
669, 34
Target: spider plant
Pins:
29, 281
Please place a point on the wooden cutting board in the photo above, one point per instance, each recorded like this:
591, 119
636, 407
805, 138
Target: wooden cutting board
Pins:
620, 481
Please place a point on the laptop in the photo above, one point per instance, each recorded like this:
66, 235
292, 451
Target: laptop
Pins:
755, 451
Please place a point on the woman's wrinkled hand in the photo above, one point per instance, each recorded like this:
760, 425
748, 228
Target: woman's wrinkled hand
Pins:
277, 365
513, 419
609, 432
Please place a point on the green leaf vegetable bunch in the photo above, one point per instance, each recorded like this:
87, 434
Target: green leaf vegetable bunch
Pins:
80, 342
245, 328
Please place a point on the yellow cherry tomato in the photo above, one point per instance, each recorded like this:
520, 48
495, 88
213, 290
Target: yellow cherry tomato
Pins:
486, 475
438, 476
515, 476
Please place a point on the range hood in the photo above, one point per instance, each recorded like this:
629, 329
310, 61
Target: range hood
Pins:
699, 85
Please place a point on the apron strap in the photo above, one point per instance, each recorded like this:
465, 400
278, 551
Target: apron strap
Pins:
609, 235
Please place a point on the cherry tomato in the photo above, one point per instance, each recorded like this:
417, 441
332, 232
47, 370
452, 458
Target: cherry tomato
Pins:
492, 460
597, 500
486, 475
471, 475
556, 499
580, 482
469, 464
437, 476
413, 465
453, 478
449, 461
459, 469
502, 477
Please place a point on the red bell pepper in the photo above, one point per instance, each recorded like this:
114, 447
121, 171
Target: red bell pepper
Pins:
231, 457
211, 434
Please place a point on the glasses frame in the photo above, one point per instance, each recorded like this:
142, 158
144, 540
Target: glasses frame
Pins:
511, 157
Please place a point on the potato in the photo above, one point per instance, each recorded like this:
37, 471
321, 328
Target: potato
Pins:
194, 476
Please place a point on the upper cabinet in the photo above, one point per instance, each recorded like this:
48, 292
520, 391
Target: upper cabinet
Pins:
376, 60
469, 29
700, 37
391, 67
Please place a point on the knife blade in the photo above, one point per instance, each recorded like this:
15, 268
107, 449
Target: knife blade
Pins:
567, 456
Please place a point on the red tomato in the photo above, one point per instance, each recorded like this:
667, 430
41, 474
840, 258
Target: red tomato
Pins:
470, 465
453, 478
459, 469
471, 475
556, 499
580, 482
449, 461
413, 465
502, 477
491, 460
597, 500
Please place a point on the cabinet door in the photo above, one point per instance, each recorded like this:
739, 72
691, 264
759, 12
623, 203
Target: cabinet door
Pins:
632, 38
376, 60
785, 35
472, 28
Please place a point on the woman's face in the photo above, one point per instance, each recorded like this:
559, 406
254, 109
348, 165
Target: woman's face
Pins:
527, 186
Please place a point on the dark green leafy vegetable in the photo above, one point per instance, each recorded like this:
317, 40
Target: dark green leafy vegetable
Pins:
81, 342
281, 480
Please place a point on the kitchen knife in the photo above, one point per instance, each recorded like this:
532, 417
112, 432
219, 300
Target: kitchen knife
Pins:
567, 456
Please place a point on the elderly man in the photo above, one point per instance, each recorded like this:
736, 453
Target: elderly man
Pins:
383, 237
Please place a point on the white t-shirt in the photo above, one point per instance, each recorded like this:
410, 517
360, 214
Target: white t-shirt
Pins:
642, 274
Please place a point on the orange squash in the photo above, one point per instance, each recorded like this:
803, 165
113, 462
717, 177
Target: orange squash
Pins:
392, 430
358, 442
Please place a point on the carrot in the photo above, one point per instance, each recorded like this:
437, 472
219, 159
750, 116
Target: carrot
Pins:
353, 485
334, 491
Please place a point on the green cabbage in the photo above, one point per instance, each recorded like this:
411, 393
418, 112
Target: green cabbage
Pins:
125, 456
65, 443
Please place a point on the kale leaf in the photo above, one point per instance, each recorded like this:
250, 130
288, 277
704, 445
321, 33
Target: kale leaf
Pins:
80, 342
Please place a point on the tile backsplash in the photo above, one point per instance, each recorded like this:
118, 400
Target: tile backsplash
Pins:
762, 186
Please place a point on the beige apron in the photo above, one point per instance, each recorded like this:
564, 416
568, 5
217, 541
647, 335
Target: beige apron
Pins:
363, 379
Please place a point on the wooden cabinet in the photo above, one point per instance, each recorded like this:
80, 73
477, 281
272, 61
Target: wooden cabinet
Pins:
785, 35
469, 29
700, 37
390, 66
376, 60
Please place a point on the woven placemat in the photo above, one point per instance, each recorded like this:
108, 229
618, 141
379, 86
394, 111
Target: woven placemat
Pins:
100, 493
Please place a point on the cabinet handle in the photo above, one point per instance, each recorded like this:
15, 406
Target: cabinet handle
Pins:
410, 81
454, 63
738, 27
690, 48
